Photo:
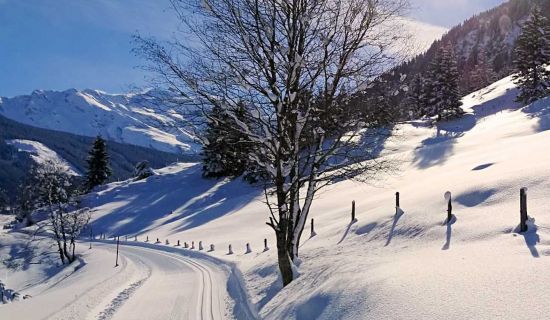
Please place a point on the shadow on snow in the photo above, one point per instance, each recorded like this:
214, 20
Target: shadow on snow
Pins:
184, 199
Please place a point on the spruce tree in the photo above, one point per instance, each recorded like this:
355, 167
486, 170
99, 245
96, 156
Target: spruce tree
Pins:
98, 164
532, 55
482, 74
225, 153
444, 96
416, 97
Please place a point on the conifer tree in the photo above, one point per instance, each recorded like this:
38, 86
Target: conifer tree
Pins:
416, 97
482, 74
442, 85
98, 164
532, 52
225, 153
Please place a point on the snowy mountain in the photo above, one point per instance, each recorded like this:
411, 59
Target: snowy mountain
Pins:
137, 119
41, 153
393, 263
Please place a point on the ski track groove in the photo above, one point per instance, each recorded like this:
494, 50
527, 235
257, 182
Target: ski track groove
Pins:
206, 307
93, 291
124, 295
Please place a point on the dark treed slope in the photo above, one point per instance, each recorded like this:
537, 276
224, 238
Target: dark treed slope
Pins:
488, 37
74, 149
483, 45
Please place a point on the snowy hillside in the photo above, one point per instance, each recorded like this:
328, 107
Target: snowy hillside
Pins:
41, 153
387, 265
136, 119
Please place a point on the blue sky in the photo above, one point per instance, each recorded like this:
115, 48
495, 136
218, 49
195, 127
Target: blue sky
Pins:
61, 44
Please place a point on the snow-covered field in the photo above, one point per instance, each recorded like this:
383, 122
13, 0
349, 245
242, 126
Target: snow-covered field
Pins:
386, 265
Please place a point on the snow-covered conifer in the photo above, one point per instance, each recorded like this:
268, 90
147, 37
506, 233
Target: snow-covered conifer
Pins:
98, 164
532, 55
226, 152
143, 170
416, 97
444, 97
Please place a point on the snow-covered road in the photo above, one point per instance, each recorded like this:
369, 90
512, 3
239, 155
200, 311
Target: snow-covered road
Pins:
172, 287
151, 282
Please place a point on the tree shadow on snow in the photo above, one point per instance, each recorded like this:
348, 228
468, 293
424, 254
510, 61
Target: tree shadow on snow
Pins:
449, 224
541, 110
483, 166
369, 145
497, 104
313, 308
437, 149
183, 198
475, 198
366, 228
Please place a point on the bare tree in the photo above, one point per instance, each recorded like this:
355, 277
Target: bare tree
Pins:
57, 196
293, 64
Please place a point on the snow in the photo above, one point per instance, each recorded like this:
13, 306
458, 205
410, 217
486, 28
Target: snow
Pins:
93, 289
41, 153
137, 118
409, 265
422, 34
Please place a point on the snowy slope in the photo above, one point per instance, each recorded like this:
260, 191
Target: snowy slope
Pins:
385, 266
137, 119
41, 153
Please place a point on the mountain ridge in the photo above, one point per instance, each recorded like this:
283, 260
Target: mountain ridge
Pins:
139, 119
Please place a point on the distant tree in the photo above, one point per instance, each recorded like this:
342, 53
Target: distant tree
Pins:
57, 194
143, 170
482, 74
225, 153
444, 101
4, 201
416, 97
98, 165
27, 200
532, 57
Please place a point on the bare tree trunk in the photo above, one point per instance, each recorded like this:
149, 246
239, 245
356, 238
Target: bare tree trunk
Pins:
283, 256
56, 235
295, 65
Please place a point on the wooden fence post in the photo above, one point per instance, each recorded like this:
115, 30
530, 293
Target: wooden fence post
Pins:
211, 247
230, 250
397, 206
523, 209
117, 244
192, 245
248, 250
313, 234
200, 246
353, 211
91, 237
449, 206
265, 245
